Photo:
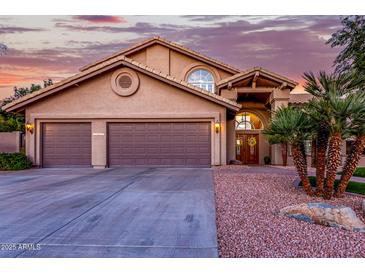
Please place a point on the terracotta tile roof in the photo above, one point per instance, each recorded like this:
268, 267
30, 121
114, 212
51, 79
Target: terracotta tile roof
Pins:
169, 44
299, 98
110, 63
242, 74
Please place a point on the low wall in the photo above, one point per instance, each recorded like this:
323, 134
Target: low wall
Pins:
10, 141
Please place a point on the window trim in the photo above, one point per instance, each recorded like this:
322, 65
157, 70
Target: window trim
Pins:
205, 84
196, 66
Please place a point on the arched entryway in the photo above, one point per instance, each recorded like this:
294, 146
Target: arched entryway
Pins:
248, 128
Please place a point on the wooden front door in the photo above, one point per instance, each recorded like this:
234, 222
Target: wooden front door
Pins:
247, 148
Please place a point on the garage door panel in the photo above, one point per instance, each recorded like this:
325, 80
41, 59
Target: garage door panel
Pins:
159, 144
66, 144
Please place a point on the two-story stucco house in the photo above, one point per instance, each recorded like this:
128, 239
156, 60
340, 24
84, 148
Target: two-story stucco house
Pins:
156, 103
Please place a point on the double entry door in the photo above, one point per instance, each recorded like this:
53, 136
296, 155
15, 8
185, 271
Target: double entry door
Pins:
247, 148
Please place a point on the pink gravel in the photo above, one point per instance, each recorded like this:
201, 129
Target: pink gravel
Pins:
248, 200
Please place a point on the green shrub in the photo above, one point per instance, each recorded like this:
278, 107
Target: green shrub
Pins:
10, 122
14, 161
359, 172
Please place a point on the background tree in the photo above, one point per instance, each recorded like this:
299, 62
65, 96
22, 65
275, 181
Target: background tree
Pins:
351, 38
3, 49
13, 122
20, 92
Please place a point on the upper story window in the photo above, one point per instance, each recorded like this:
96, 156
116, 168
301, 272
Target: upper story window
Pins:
202, 78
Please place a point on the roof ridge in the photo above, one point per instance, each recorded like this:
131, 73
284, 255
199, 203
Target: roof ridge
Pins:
163, 40
196, 52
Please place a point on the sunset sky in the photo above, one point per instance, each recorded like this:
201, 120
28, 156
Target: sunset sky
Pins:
42, 47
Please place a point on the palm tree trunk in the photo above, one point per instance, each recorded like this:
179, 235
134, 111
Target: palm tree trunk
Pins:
322, 144
352, 160
333, 162
284, 153
300, 162
314, 153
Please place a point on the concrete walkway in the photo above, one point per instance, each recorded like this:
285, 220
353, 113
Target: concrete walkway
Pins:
134, 212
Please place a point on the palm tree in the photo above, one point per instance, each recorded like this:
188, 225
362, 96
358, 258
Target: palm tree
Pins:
292, 126
321, 87
334, 111
358, 128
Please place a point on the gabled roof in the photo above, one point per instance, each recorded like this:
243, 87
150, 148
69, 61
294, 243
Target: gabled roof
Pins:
250, 72
299, 98
161, 41
112, 63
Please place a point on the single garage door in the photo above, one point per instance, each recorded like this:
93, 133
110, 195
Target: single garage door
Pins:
159, 144
66, 144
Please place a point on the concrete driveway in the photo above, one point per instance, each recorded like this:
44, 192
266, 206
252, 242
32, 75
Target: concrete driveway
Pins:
126, 212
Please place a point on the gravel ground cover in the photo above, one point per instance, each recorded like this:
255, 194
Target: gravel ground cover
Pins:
248, 200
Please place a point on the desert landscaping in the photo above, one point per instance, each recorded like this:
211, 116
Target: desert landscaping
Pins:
248, 201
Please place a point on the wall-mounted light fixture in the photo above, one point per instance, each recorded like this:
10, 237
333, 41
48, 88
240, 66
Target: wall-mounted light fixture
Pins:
29, 127
217, 126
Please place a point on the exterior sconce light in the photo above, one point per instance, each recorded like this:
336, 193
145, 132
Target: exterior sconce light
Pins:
29, 127
217, 127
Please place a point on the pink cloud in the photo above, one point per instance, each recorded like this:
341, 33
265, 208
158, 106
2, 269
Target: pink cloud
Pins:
100, 19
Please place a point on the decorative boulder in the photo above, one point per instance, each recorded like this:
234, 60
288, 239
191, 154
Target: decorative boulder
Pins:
325, 214
235, 162
297, 182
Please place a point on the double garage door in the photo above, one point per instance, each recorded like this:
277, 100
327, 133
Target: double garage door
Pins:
129, 144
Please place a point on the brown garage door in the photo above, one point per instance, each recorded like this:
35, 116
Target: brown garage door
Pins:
159, 144
66, 144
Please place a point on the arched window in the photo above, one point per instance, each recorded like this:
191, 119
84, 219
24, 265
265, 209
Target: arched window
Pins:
202, 78
248, 121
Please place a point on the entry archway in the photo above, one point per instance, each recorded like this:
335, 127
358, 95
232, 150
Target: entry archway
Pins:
248, 127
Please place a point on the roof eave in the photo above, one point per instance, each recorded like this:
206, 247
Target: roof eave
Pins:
243, 75
14, 106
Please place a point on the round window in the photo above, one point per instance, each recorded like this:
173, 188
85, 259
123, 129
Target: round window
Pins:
124, 82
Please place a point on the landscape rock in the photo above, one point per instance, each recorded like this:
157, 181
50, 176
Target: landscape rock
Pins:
297, 182
325, 214
235, 162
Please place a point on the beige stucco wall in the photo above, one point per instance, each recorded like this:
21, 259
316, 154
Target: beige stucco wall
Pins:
10, 141
94, 101
231, 138
279, 98
174, 63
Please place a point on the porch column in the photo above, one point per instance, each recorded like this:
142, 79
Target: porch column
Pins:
98, 144
231, 138
278, 98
